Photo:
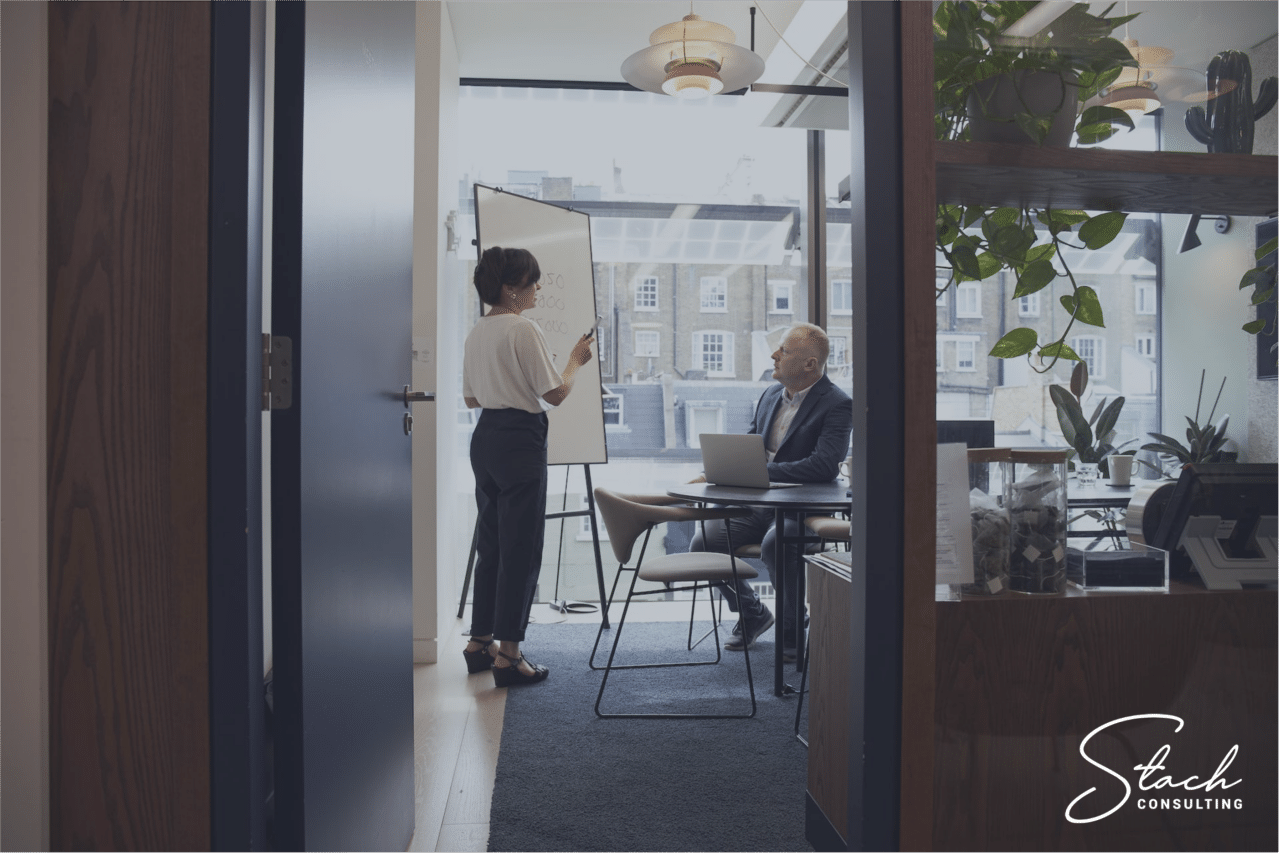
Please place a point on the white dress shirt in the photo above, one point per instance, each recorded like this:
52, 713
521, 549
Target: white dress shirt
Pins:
787, 410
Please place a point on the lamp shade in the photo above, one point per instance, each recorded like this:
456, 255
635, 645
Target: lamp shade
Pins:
1136, 100
692, 58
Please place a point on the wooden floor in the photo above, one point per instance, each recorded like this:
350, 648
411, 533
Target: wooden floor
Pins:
457, 732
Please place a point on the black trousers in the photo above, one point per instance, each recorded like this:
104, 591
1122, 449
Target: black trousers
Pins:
509, 459
757, 528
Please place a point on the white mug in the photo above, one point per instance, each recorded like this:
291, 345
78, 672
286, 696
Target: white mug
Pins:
846, 466
1121, 468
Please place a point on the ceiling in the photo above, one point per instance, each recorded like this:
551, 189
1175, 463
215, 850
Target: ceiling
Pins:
587, 40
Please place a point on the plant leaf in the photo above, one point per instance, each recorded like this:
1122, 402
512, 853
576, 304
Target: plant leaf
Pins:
1079, 379
1251, 277
1262, 296
1266, 249
1043, 252
1035, 127
1061, 350
1085, 306
1107, 116
1253, 327
1095, 133
1017, 342
1102, 229
1034, 277
1107, 421
1003, 216
988, 265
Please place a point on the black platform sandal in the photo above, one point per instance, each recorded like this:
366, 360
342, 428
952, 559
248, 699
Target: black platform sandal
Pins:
505, 677
479, 659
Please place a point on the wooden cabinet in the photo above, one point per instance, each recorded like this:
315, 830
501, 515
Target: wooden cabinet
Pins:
1022, 681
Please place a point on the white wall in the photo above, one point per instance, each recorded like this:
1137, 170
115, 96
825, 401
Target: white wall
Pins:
24, 713
435, 341
1203, 308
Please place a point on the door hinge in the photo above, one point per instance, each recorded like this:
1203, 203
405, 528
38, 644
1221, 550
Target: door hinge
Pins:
277, 372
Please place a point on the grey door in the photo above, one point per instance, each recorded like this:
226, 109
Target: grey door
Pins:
341, 538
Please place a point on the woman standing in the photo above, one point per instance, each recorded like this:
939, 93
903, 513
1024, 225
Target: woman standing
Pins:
507, 371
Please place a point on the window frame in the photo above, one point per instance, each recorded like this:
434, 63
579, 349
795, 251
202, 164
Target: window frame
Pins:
1140, 301
1098, 358
642, 290
841, 285
972, 346
717, 287
1029, 305
963, 310
789, 287
1149, 339
657, 343
726, 357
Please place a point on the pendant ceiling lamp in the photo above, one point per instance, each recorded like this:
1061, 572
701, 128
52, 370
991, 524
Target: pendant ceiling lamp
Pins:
692, 58
1134, 91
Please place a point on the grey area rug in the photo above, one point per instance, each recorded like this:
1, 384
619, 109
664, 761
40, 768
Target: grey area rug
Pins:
569, 781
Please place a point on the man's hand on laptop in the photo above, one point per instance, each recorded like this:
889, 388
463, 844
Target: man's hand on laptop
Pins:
702, 478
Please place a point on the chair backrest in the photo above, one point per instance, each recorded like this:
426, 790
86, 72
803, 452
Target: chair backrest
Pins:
622, 520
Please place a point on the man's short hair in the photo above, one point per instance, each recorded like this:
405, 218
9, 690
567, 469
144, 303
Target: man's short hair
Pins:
815, 338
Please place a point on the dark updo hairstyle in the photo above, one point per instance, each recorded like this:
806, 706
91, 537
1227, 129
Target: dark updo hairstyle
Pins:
515, 267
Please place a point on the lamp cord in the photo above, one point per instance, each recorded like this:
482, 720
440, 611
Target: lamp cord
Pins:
796, 52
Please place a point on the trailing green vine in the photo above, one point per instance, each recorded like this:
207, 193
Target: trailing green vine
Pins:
978, 242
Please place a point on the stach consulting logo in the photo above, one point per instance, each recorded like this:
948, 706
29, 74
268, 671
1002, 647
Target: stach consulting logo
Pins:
1158, 791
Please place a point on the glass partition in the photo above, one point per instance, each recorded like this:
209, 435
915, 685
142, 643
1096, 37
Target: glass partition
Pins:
696, 244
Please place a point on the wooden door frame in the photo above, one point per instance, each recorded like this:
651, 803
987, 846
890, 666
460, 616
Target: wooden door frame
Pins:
128, 227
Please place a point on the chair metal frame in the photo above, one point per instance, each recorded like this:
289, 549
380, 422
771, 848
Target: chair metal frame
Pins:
668, 586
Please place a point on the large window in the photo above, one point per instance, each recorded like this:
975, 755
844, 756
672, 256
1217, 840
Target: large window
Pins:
1029, 306
697, 264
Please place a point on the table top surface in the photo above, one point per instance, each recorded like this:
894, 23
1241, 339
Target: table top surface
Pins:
824, 496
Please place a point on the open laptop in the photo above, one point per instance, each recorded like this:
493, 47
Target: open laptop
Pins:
736, 459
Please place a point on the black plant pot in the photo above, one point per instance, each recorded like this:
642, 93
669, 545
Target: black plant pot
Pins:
1042, 92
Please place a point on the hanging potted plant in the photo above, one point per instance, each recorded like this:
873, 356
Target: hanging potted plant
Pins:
996, 80
979, 64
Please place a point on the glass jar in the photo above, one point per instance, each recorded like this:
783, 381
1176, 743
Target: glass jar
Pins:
990, 479
1038, 519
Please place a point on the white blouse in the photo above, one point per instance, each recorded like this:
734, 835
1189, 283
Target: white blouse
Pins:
506, 364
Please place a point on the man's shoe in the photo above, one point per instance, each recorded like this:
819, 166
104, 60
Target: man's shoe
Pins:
741, 639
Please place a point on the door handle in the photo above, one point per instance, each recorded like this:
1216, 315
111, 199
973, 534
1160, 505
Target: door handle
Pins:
417, 397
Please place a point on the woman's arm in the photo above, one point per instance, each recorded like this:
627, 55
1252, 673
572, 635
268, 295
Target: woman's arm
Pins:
471, 403
580, 356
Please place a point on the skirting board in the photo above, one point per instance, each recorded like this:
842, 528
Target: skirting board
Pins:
426, 650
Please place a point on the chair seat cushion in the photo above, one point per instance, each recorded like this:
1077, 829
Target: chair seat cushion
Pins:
829, 527
694, 566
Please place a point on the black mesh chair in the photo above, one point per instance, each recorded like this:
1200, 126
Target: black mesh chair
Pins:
626, 518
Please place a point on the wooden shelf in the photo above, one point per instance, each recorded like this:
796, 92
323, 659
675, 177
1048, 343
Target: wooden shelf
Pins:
1098, 179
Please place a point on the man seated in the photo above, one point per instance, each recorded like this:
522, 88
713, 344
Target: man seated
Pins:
806, 422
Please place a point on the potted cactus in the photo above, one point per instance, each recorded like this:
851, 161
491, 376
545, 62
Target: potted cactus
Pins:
1227, 125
